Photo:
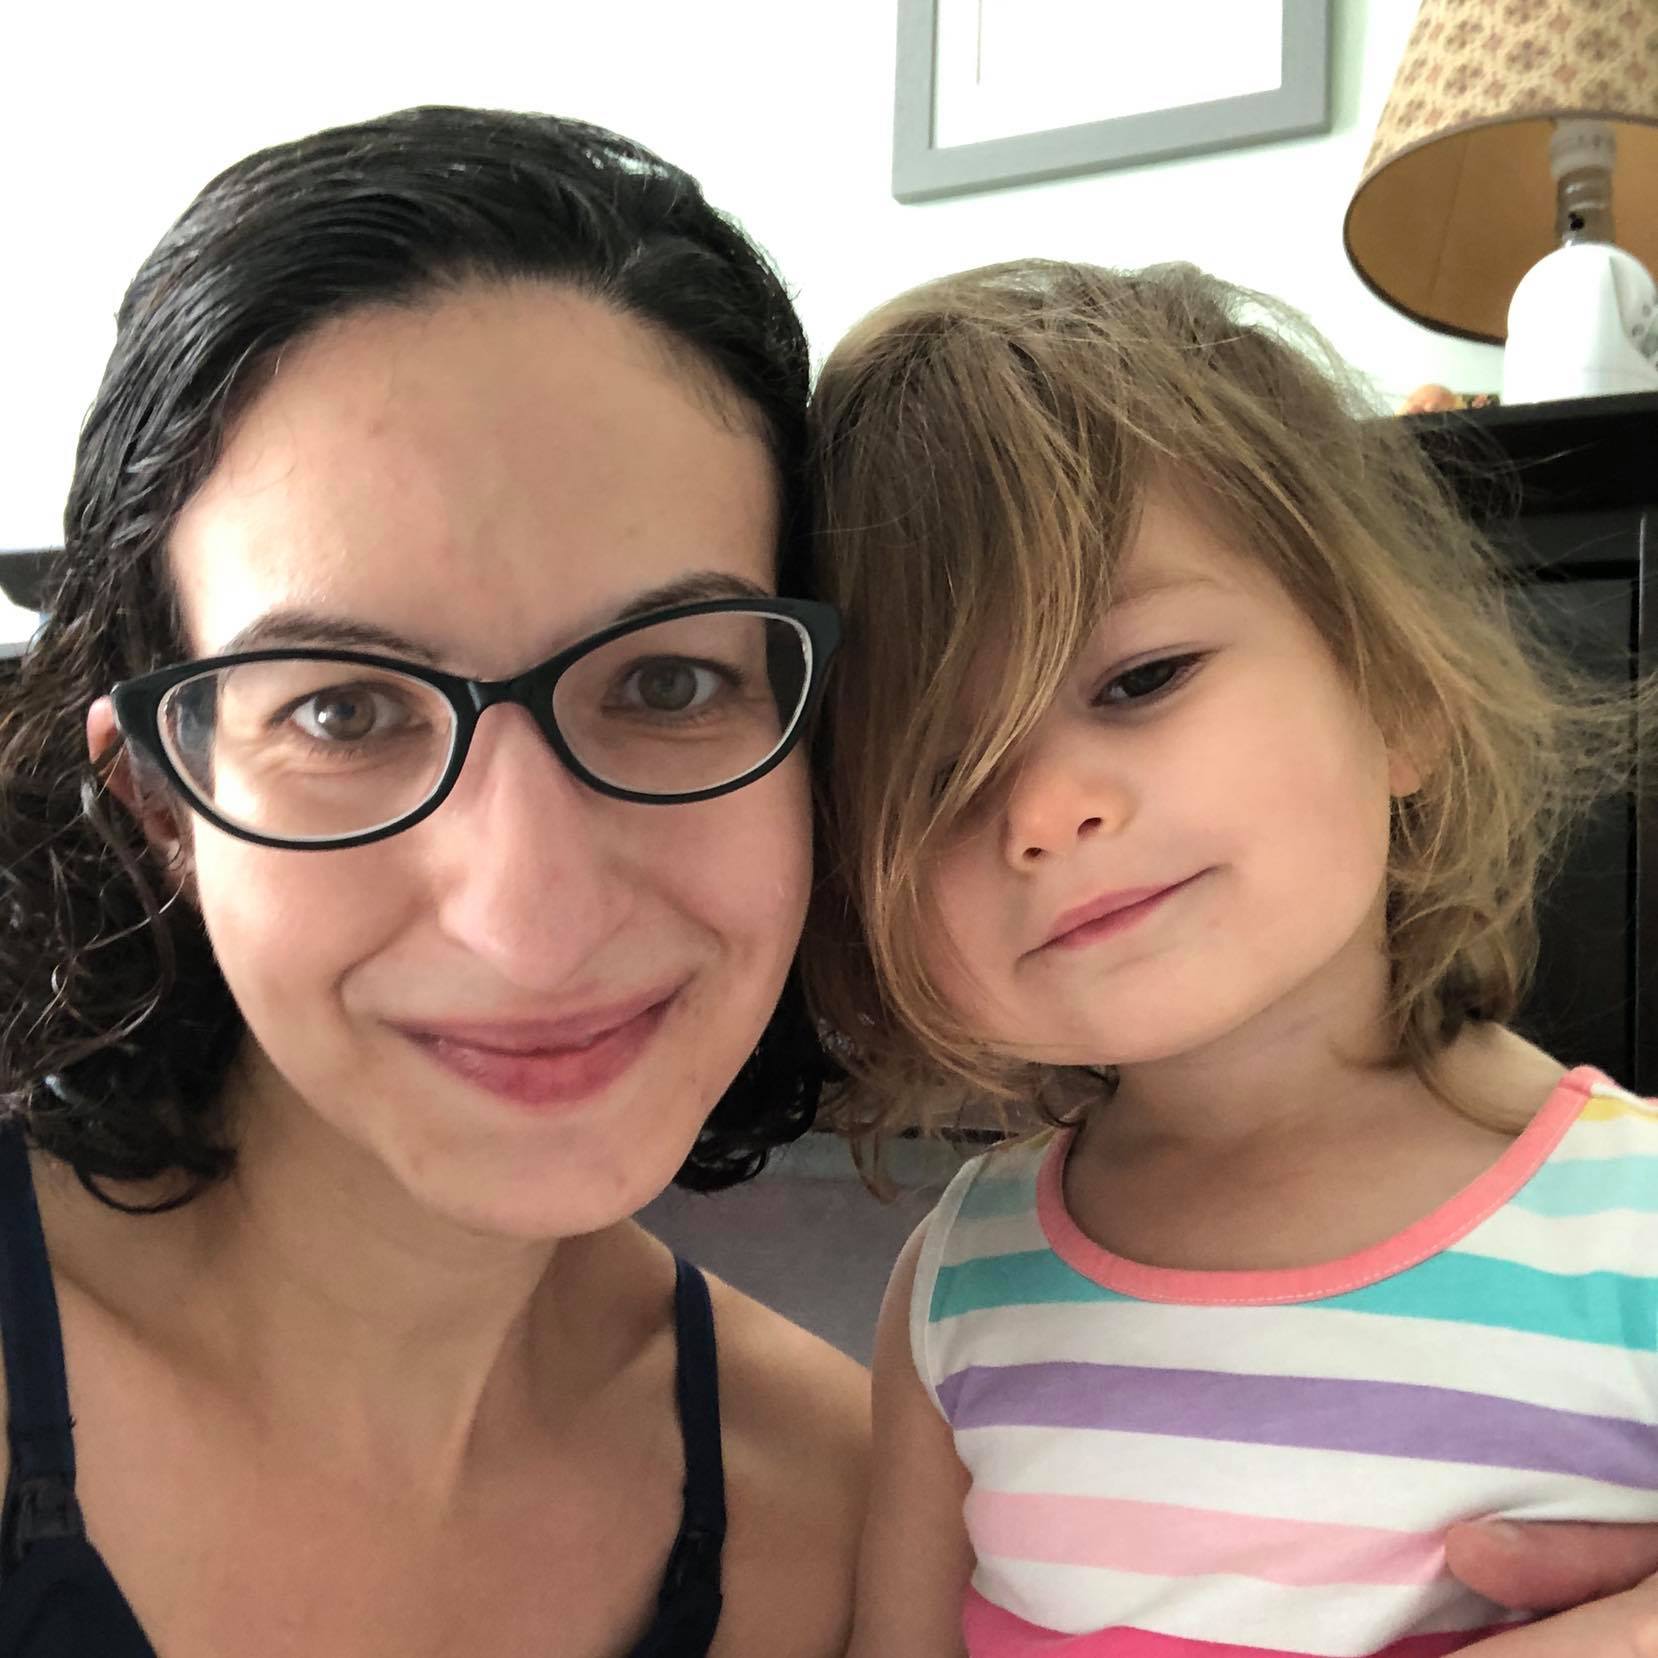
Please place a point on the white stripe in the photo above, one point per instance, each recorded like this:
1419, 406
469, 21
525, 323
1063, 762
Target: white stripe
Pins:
1602, 1142
1343, 1621
1622, 1240
1606, 1089
971, 1239
1309, 1341
1013, 1159
1013, 1168
1286, 1483
1631, 1133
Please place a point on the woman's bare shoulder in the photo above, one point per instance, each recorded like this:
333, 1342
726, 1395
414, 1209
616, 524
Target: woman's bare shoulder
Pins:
795, 1419
772, 1368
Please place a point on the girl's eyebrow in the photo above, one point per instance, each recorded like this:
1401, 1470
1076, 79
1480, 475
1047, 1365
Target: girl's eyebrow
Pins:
310, 627
1137, 589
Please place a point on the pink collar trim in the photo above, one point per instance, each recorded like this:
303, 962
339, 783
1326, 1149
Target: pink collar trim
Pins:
1437, 1230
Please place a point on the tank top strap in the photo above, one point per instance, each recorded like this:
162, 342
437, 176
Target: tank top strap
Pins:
40, 1487
697, 1392
688, 1607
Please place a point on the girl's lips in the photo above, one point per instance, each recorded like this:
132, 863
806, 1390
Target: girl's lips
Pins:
1106, 917
545, 1063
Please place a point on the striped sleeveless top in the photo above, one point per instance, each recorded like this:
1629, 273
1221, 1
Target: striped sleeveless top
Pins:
1247, 1464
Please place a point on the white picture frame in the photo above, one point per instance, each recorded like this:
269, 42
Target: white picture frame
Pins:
994, 93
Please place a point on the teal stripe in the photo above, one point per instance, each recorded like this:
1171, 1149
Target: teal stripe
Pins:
1030, 1277
1606, 1308
1591, 1187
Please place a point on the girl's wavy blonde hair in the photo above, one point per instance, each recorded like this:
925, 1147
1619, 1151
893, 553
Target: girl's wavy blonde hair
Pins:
983, 444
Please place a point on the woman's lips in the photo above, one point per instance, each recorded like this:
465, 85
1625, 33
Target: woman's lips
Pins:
542, 1063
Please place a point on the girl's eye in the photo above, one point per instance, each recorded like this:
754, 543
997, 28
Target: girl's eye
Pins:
1146, 680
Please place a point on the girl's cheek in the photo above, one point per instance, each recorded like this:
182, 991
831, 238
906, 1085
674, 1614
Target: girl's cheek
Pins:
957, 946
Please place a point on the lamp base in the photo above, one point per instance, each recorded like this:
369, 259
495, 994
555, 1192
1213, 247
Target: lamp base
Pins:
1582, 323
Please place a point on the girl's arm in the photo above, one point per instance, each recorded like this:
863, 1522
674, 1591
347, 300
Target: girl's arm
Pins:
1545, 1566
915, 1559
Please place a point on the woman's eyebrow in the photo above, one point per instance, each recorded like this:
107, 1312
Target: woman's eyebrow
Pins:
692, 589
308, 627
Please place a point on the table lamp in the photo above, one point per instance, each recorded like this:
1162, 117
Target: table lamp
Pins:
1511, 193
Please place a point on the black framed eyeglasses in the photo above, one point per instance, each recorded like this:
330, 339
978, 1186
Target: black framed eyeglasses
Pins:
318, 748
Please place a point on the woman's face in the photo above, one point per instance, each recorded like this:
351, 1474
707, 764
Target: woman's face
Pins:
525, 1005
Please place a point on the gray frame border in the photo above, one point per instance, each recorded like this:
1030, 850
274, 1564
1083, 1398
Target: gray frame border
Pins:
923, 172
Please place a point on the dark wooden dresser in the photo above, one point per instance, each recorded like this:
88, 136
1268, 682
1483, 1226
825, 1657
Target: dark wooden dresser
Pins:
1570, 492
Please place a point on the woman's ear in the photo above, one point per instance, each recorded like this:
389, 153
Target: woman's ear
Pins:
140, 788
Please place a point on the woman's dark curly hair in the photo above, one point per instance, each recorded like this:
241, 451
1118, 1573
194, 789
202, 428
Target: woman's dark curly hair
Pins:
118, 1026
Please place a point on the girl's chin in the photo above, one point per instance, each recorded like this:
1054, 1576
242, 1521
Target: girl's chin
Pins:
1100, 1050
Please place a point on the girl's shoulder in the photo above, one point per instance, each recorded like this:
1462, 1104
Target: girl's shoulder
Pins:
1000, 1178
992, 1204
1597, 1086
985, 1226
1602, 1118
1586, 1097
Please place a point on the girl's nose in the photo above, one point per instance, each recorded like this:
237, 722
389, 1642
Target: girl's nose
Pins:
1064, 792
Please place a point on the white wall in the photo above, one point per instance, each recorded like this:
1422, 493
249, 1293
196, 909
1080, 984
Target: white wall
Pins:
114, 114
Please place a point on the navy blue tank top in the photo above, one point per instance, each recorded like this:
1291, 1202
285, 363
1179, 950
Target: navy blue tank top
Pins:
57, 1597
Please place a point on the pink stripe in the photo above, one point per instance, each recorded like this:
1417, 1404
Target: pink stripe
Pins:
1165, 1540
1453, 1219
992, 1633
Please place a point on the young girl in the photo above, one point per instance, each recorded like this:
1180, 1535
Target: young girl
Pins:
1192, 784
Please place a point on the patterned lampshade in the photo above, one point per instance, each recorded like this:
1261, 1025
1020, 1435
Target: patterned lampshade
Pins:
1457, 201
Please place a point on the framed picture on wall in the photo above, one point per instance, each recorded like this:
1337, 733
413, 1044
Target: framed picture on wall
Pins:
998, 92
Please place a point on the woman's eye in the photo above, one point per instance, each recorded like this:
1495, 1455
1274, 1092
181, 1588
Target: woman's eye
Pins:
673, 685
349, 714
1146, 680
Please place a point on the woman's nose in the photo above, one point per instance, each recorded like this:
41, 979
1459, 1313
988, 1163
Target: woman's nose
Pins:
527, 869
1065, 791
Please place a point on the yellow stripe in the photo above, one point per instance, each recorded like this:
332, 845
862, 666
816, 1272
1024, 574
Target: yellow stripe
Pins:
1606, 1108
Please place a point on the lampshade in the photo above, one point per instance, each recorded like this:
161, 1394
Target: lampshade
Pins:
1457, 201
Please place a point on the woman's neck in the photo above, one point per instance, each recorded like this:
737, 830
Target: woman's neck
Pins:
319, 1295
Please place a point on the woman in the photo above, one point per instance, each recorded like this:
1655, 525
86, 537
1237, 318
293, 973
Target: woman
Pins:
425, 892
391, 952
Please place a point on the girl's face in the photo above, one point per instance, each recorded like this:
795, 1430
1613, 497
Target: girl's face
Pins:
524, 1006
1196, 833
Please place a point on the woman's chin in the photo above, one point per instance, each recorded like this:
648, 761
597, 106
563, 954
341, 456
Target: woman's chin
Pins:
542, 1199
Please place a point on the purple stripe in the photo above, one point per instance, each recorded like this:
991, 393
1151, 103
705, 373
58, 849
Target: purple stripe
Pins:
1312, 1413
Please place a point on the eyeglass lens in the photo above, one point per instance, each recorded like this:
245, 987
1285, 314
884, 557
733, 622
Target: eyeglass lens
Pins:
318, 749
